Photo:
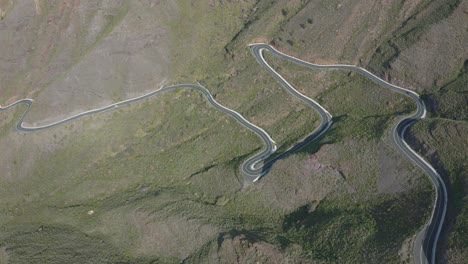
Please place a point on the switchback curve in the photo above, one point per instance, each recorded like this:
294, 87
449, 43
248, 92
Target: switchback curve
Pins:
425, 244
426, 241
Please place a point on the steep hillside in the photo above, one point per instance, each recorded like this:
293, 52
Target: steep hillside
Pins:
159, 181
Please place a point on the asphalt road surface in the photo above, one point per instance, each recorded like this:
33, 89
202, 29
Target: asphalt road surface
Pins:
258, 165
251, 173
425, 244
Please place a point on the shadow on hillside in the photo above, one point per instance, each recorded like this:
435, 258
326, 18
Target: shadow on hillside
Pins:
308, 145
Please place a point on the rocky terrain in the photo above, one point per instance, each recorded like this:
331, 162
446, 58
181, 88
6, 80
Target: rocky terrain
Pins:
159, 181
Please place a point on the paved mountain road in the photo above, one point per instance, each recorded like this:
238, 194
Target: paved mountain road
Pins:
425, 244
426, 241
252, 173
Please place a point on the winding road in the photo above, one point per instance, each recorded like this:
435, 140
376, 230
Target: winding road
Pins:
258, 165
425, 244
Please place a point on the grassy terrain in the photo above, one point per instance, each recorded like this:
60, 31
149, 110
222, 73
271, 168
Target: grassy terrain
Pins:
430, 137
159, 181
449, 101
340, 231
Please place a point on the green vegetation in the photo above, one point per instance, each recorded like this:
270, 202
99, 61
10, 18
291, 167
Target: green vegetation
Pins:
451, 99
450, 161
340, 92
344, 231
69, 246
159, 181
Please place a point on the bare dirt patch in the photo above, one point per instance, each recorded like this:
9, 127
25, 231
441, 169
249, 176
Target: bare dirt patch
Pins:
298, 180
394, 176
239, 249
80, 56
172, 236
439, 51
3, 255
